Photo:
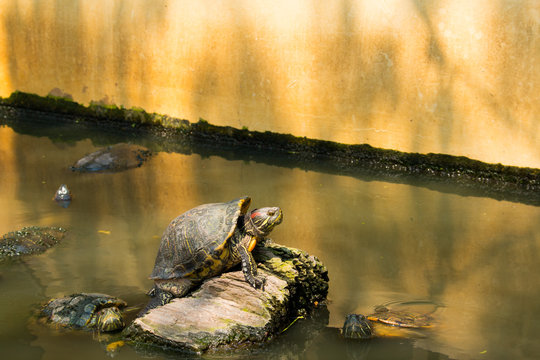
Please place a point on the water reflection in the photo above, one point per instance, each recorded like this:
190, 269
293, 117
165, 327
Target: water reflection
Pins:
381, 242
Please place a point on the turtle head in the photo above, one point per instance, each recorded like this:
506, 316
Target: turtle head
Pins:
262, 221
109, 319
356, 326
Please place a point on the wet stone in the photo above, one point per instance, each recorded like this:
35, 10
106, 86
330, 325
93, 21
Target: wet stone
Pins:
113, 158
226, 312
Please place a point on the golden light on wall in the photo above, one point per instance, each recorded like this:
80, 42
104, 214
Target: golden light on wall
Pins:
408, 75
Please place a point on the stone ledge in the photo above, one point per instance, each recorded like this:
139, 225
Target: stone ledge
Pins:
437, 171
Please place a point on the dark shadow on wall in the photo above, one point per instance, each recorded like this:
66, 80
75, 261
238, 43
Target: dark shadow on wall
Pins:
515, 37
519, 71
371, 78
444, 115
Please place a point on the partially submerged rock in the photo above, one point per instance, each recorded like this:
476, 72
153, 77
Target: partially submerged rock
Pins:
113, 158
29, 240
226, 312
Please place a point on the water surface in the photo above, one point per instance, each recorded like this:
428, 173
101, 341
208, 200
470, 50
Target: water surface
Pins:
380, 241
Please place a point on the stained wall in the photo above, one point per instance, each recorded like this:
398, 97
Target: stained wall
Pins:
456, 77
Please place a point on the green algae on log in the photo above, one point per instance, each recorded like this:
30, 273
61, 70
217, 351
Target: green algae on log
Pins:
226, 312
29, 240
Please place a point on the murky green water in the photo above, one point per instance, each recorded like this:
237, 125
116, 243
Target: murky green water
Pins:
381, 242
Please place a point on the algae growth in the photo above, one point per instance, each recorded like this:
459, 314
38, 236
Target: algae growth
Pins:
437, 171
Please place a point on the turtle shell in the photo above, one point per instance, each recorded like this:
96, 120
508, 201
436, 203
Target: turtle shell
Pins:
77, 311
405, 318
195, 245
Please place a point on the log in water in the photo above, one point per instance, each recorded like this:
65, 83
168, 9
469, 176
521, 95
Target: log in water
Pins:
226, 312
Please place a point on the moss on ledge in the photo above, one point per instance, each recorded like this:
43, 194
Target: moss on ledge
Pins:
438, 171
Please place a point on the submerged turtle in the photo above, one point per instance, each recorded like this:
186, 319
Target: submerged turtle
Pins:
208, 240
29, 240
86, 311
113, 158
386, 320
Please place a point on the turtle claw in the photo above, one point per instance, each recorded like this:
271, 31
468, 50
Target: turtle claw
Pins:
258, 282
164, 297
159, 298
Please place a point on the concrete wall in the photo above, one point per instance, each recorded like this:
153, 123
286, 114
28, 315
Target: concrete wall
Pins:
459, 77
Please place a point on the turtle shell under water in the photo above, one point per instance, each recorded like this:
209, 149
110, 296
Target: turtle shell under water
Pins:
402, 318
398, 319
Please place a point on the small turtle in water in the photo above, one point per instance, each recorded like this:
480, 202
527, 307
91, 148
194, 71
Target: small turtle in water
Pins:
113, 158
29, 240
386, 320
86, 311
206, 241
63, 196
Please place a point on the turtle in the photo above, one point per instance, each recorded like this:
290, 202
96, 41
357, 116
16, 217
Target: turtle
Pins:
386, 321
207, 241
113, 158
88, 311
63, 196
29, 240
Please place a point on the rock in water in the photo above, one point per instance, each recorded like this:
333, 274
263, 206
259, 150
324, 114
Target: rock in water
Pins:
113, 158
29, 240
63, 196
226, 312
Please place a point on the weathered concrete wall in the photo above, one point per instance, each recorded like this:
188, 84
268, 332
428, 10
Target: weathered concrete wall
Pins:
456, 77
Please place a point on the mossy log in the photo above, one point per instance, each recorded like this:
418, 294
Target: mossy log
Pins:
225, 312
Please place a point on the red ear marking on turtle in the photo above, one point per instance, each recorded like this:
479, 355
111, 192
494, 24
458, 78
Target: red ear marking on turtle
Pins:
253, 214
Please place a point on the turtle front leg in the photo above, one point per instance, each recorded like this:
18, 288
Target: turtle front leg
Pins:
159, 298
249, 267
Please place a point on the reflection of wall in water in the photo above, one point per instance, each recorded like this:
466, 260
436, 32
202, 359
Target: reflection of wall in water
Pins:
458, 77
379, 240
479, 257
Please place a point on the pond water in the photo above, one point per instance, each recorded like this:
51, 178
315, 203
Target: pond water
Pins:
381, 242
